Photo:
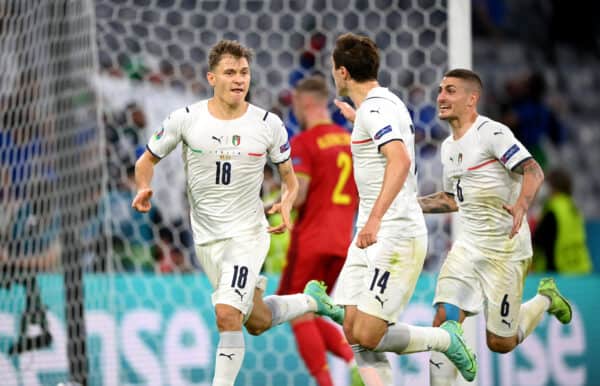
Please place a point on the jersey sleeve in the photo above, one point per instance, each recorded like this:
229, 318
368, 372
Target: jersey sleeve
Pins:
279, 151
379, 120
166, 138
502, 145
447, 185
301, 156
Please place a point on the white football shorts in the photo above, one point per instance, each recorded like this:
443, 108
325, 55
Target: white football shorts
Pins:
381, 279
474, 282
233, 266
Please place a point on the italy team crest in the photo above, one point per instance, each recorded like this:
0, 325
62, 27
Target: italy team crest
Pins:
158, 135
235, 140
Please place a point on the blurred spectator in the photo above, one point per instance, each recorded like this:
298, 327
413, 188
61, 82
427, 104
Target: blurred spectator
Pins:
489, 18
133, 235
559, 239
169, 256
530, 118
134, 128
125, 133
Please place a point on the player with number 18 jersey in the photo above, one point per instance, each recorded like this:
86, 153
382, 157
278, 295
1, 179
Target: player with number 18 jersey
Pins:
224, 166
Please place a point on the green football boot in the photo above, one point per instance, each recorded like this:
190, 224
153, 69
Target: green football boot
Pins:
325, 306
458, 352
559, 305
355, 379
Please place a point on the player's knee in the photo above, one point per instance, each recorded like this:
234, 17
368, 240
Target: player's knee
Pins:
228, 318
366, 338
446, 311
500, 344
256, 329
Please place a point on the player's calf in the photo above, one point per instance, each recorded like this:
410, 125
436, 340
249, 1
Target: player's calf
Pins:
367, 330
350, 316
260, 318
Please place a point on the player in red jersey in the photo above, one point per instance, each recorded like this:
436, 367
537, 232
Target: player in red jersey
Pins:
327, 202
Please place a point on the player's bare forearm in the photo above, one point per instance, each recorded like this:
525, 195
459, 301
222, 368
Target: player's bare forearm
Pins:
289, 191
396, 169
289, 182
303, 184
144, 170
440, 202
533, 177
347, 111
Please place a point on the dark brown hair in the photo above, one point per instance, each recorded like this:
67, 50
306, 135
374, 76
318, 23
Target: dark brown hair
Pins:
227, 47
359, 55
468, 75
313, 84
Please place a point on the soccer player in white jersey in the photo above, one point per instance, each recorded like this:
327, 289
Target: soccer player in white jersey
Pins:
226, 142
491, 179
387, 254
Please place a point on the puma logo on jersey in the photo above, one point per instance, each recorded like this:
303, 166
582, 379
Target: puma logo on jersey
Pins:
230, 356
509, 324
438, 365
237, 291
216, 139
380, 300
375, 111
498, 133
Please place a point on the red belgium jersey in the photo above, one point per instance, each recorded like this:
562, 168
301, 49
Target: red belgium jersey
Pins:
326, 220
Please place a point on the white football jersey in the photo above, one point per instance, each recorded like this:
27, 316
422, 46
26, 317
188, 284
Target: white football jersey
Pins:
224, 162
381, 118
477, 170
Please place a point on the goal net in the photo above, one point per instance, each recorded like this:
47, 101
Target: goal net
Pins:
95, 293
52, 168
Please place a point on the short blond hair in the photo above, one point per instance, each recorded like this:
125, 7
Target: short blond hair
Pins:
314, 84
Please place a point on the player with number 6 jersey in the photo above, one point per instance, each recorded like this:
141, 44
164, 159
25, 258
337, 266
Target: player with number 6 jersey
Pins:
491, 179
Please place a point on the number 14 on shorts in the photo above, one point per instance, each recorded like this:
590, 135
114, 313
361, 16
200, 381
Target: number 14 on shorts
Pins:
379, 281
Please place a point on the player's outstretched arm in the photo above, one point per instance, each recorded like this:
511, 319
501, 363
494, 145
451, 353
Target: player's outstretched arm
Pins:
396, 169
347, 111
533, 177
144, 170
289, 191
440, 202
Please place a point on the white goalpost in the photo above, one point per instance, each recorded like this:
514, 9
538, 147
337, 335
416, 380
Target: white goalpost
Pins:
460, 45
